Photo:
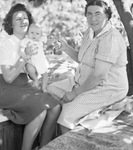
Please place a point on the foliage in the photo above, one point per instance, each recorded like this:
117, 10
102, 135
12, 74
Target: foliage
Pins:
65, 19
60, 18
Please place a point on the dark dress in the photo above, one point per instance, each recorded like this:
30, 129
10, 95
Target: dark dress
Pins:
20, 102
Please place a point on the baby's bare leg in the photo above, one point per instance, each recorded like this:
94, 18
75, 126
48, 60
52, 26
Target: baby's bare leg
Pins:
32, 74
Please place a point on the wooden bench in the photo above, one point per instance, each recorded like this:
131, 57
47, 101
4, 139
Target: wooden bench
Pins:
11, 134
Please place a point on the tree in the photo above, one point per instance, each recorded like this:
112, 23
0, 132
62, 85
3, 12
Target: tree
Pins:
127, 20
37, 3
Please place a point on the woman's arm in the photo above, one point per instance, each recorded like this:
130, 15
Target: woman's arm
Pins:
10, 73
62, 45
98, 75
72, 53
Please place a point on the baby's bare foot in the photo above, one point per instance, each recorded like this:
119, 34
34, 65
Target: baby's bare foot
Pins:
35, 84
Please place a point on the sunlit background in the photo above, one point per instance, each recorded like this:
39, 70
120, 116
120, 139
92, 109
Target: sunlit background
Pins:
63, 18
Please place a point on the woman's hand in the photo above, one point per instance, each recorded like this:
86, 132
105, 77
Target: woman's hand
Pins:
23, 59
58, 44
31, 49
69, 96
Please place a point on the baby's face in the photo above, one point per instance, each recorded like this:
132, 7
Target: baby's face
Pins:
34, 33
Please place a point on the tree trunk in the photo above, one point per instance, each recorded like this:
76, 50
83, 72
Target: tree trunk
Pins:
126, 19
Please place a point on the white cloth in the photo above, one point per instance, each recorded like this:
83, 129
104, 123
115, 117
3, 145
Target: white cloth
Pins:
105, 116
59, 88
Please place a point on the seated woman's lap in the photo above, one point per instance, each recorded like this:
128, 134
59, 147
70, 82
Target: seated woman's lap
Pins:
21, 103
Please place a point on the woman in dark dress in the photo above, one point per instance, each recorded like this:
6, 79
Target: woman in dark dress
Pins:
21, 103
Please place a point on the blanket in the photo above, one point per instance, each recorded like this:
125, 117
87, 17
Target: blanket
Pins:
116, 136
110, 128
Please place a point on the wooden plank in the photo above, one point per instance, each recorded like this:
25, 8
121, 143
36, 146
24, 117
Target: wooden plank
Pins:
11, 136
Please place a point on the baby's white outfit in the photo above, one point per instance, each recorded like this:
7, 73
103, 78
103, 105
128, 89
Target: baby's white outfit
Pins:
39, 60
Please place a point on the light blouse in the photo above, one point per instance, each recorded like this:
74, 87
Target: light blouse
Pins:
108, 46
9, 50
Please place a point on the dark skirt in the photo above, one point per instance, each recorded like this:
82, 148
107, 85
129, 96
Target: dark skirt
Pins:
20, 102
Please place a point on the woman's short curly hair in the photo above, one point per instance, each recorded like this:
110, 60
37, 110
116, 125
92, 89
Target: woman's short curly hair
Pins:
7, 22
100, 3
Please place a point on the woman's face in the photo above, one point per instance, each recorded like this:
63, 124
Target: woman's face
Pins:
20, 23
96, 18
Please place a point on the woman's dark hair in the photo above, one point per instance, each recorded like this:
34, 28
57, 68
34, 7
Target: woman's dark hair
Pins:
7, 22
100, 3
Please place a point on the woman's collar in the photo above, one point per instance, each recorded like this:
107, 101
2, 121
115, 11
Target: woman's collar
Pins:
16, 39
105, 29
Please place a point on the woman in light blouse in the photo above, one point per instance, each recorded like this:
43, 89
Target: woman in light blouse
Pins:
20, 102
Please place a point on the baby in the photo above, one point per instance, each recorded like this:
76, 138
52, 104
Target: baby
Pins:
37, 64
